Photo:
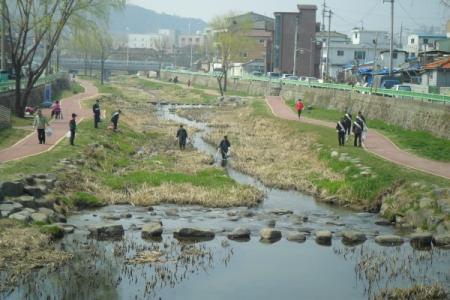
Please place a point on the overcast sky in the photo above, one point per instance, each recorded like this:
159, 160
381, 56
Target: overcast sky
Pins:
348, 13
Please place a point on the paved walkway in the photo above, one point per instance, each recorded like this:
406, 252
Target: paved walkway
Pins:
30, 146
375, 143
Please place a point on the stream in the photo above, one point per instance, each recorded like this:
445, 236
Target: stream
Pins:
226, 269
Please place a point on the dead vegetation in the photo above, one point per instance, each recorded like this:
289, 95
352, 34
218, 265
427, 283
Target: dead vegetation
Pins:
23, 250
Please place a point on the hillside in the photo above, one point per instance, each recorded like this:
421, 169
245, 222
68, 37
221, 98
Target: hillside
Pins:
141, 20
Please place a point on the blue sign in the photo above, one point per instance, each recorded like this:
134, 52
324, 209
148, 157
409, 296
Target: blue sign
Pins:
47, 96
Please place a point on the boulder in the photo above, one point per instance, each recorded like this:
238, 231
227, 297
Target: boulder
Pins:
194, 233
106, 231
26, 201
8, 208
111, 217
23, 216
30, 180
270, 235
353, 237
234, 218
239, 233
441, 240
323, 237
36, 191
280, 211
334, 154
151, 230
50, 213
441, 192
12, 189
383, 222
39, 217
295, 236
426, 202
389, 240
247, 214
125, 216
421, 239
172, 212
66, 227
2, 196
44, 202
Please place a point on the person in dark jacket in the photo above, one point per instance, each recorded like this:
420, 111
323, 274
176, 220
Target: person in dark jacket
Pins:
182, 136
358, 127
341, 129
348, 120
361, 117
115, 119
96, 111
224, 147
73, 128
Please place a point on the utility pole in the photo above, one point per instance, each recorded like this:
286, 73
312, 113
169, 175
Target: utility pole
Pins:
328, 43
3, 55
391, 44
400, 44
294, 71
324, 8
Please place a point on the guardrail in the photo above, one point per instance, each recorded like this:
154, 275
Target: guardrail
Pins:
11, 84
343, 87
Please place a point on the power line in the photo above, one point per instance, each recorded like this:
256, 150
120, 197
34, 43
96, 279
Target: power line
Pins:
407, 13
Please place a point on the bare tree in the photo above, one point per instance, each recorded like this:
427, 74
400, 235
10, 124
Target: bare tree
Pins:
32, 24
161, 46
231, 37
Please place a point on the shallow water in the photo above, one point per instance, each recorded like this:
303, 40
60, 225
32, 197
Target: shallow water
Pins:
224, 269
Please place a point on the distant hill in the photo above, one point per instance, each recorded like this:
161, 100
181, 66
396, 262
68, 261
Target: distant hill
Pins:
141, 20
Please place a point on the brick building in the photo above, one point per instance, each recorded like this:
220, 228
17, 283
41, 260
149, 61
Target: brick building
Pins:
307, 52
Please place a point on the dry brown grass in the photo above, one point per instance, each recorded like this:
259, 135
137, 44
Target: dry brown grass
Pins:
24, 249
267, 148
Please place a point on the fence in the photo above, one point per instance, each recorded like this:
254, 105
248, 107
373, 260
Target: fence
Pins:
444, 99
11, 84
5, 117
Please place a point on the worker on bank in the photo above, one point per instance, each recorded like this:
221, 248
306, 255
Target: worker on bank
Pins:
224, 147
182, 137
348, 120
73, 128
341, 130
299, 106
96, 111
358, 127
115, 119
363, 123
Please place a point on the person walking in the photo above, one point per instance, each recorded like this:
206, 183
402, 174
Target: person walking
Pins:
348, 120
40, 123
299, 106
358, 127
115, 119
56, 111
224, 147
341, 130
182, 136
362, 121
96, 111
72, 128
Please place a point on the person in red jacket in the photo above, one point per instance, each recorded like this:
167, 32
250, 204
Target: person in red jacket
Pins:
299, 107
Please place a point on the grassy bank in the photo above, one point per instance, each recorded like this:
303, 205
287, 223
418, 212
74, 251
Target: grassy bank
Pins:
421, 143
10, 136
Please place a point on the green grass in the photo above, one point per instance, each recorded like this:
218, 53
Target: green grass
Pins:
10, 136
75, 88
213, 178
83, 200
361, 189
21, 122
421, 143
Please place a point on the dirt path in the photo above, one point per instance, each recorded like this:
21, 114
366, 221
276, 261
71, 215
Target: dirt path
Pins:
29, 145
375, 143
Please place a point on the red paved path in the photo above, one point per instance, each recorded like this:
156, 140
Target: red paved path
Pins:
30, 146
375, 143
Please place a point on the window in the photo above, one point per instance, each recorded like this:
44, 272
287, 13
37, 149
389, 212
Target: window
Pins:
394, 55
412, 41
360, 55
261, 41
356, 35
425, 41
245, 54
340, 53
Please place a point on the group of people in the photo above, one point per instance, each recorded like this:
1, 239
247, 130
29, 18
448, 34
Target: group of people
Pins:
346, 126
223, 148
41, 122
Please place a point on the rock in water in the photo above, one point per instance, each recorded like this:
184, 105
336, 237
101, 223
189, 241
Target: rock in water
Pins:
295, 236
107, 231
12, 189
270, 235
421, 240
152, 230
353, 237
239, 233
442, 240
194, 234
323, 237
389, 240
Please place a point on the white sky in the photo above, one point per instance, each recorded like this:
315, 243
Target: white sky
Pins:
348, 13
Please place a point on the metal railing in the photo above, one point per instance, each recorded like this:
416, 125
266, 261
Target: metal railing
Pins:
11, 84
407, 95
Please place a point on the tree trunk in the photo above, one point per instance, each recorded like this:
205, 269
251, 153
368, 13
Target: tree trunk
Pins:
85, 63
219, 81
225, 77
102, 72
19, 110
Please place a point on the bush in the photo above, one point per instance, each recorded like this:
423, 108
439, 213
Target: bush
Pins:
55, 231
83, 200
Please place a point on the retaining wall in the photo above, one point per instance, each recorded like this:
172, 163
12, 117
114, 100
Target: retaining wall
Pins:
7, 99
408, 114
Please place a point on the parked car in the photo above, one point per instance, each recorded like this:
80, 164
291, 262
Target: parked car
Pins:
307, 79
273, 75
399, 87
292, 77
257, 73
388, 84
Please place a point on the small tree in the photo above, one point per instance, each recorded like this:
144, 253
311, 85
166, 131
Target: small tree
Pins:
31, 24
161, 46
231, 37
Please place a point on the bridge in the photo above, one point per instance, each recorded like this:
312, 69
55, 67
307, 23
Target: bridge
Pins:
112, 65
